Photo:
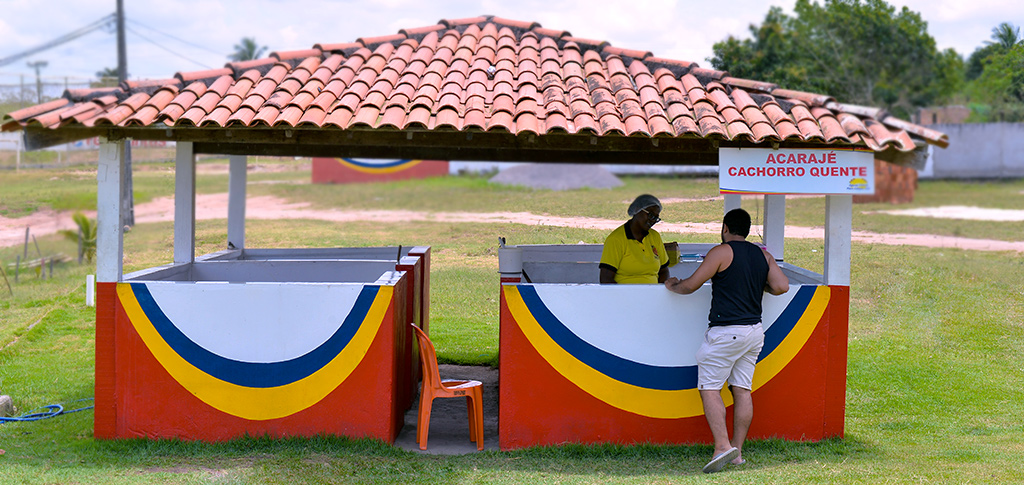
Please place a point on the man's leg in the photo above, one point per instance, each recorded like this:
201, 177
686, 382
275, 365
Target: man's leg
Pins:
714, 411
742, 415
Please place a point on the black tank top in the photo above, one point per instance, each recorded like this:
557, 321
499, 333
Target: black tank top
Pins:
736, 292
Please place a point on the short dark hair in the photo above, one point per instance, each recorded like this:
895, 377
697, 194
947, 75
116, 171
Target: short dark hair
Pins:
738, 222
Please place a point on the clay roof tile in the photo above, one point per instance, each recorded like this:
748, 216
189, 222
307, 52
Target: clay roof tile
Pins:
487, 73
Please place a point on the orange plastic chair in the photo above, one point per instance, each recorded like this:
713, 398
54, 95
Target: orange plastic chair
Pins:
434, 387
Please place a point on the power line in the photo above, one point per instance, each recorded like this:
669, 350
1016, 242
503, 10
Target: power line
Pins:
183, 41
103, 22
129, 29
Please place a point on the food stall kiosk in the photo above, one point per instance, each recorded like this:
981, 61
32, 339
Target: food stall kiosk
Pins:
252, 342
591, 363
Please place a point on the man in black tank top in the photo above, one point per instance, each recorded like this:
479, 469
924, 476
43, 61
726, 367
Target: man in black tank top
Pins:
740, 273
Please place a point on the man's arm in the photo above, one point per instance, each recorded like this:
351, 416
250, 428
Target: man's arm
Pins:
708, 268
777, 283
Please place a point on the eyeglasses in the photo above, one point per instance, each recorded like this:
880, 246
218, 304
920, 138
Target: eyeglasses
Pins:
653, 219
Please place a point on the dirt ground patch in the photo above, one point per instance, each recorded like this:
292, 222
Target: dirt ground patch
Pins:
214, 206
959, 212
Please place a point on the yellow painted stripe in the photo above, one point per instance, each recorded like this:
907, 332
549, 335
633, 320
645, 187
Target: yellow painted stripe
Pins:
250, 402
655, 403
773, 363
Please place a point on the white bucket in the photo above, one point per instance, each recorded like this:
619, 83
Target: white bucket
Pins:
90, 290
510, 261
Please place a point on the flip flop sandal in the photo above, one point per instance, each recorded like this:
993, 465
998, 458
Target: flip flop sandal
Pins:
718, 463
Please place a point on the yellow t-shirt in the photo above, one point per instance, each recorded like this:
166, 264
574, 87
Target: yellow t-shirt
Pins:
634, 261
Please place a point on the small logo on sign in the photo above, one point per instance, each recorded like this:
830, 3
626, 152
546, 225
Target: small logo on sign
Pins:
858, 184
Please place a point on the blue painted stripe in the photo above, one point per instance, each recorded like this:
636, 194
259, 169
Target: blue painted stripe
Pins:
395, 163
669, 378
781, 327
255, 374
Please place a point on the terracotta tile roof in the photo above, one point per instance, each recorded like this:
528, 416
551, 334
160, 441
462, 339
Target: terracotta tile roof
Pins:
481, 74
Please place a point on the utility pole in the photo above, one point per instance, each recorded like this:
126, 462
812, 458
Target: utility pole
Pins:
39, 82
128, 202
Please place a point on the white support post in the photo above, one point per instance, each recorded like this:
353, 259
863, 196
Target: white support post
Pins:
775, 224
184, 203
109, 230
732, 201
838, 233
236, 201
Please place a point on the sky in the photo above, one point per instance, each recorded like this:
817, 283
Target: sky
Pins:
168, 36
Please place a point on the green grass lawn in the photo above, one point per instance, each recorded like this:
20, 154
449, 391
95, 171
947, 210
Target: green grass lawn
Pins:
936, 357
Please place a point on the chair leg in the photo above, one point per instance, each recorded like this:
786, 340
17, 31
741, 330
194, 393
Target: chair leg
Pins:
423, 420
475, 402
480, 421
470, 408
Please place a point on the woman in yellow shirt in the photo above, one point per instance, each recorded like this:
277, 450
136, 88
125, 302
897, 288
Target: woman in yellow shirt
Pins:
634, 252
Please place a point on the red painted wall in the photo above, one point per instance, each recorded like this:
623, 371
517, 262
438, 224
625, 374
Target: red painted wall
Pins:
804, 402
335, 171
137, 397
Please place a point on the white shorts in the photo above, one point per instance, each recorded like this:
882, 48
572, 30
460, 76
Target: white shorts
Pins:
729, 352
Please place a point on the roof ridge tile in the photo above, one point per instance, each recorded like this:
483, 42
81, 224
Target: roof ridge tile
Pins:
293, 57
764, 87
552, 33
463, 21
938, 138
148, 86
419, 33
262, 65
89, 94
345, 48
519, 24
707, 75
206, 77
375, 42
585, 44
677, 68
631, 53
811, 99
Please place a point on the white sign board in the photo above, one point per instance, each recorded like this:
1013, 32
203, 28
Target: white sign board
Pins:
786, 171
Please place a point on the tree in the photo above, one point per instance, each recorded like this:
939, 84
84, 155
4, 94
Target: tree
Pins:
858, 51
999, 91
976, 62
1005, 35
769, 55
106, 77
85, 236
247, 49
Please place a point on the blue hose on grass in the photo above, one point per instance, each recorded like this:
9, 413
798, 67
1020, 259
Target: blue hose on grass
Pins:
52, 411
